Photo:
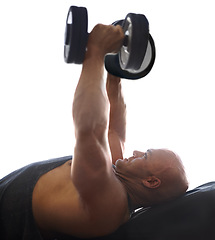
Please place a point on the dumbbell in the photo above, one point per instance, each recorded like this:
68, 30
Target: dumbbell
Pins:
135, 58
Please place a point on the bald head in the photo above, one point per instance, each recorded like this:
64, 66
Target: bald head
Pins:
153, 176
169, 168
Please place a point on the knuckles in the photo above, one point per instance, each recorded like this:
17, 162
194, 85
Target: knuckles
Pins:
108, 37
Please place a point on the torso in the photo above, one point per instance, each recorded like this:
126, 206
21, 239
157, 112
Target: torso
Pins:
57, 207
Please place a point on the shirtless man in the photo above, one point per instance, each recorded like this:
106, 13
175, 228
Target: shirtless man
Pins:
87, 197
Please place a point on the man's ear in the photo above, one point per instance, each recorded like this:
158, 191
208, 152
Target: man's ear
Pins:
151, 182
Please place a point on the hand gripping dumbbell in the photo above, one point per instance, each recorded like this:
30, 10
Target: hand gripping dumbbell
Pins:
135, 58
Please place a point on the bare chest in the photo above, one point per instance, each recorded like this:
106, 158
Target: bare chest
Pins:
57, 207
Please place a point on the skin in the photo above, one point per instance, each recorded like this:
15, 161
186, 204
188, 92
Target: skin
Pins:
86, 197
152, 177
144, 164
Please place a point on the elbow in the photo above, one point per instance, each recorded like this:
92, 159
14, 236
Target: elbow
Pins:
91, 129
85, 123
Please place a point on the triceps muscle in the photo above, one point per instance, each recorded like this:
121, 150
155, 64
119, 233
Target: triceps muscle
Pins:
91, 164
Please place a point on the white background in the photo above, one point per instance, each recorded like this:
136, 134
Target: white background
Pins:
172, 107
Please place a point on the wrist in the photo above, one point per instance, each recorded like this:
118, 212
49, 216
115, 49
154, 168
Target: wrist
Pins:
113, 79
114, 87
94, 54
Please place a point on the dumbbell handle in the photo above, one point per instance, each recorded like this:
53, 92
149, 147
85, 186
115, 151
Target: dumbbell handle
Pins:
125, 42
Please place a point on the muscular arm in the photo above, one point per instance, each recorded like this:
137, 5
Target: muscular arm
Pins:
117, 122
94, 202
92, 159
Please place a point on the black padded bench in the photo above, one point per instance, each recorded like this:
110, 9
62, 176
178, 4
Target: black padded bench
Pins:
189, 217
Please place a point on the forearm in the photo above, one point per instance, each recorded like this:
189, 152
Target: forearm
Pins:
90, 105
117, 122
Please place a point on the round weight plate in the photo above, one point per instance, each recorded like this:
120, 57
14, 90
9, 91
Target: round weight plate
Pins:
76, 35
112, 64
136, 30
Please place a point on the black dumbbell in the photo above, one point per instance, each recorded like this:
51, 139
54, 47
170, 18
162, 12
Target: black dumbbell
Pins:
135, 58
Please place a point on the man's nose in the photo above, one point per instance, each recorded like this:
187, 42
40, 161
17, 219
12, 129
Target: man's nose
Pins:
138, 153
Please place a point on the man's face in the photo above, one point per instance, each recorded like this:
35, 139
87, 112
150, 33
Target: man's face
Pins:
144, 164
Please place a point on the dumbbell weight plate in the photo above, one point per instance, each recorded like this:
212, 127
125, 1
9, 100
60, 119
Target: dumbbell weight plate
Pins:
136, 30
112, 64
76, 35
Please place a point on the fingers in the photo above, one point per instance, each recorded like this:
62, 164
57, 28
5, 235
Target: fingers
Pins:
106, 38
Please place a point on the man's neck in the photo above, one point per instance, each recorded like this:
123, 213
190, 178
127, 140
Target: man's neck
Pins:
136, 194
